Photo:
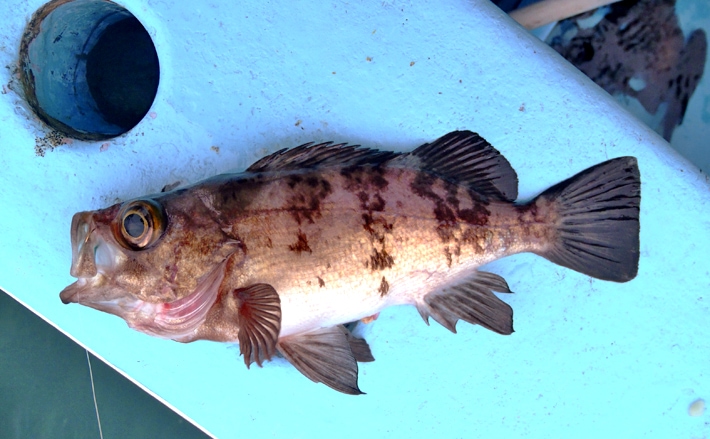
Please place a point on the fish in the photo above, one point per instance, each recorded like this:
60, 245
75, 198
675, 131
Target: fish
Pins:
638, 49
280, 257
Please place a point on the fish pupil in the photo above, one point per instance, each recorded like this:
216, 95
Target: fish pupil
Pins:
134, 225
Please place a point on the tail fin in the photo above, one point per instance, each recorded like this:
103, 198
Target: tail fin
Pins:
597, 230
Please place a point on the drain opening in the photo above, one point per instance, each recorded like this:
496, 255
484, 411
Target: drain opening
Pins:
88, 68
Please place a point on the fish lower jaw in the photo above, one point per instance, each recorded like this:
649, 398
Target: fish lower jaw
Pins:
73, 293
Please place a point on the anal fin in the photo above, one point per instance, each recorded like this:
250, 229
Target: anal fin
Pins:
324, 356
472, 301
359, 347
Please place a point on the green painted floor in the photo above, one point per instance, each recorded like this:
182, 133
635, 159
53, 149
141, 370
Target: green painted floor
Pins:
45, 388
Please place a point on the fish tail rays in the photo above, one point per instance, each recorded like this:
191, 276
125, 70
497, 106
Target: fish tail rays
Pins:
596, 227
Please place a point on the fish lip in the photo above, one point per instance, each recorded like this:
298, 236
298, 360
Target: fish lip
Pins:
66, 298
69, 294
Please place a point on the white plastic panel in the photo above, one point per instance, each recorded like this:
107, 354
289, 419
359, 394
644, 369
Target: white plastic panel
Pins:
588, 358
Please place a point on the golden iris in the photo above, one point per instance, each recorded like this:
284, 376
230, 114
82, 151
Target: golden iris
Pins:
141, 223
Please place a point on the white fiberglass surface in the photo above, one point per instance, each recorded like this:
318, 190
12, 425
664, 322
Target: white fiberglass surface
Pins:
588, 358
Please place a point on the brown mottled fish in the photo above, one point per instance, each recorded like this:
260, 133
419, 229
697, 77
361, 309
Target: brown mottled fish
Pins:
638, 49
279, 257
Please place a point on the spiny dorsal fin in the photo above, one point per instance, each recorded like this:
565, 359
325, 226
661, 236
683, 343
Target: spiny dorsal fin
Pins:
464, 157
472, 301
321, 155
324, 356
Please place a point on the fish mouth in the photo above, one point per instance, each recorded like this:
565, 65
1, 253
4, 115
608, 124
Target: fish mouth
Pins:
96, 293
120, 307
68, 294
174, 320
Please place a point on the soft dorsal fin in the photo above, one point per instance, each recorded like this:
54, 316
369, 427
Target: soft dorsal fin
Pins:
321, 155
464, 157
473, 301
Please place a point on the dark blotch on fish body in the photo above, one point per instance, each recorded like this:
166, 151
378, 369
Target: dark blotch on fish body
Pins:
374, 203
449, 258
380, 260
384, 287
364, 178
376, 227
305, 201
234, 196
477, 216
443, 211
447, 211
301, 244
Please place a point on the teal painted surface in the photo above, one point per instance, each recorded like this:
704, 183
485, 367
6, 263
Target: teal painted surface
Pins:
45, 388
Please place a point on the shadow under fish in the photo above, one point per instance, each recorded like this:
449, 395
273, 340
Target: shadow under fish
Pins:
638, 49
279, 257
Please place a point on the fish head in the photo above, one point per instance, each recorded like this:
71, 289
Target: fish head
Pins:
149, 260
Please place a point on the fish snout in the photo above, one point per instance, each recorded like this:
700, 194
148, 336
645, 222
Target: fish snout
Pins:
83, 264
65, 296
94, 260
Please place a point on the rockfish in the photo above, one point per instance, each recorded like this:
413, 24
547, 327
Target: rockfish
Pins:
277, 258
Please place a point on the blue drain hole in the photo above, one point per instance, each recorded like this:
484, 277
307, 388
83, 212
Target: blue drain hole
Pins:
89, 69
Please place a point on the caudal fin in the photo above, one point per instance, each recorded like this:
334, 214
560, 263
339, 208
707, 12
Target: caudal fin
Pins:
597, 227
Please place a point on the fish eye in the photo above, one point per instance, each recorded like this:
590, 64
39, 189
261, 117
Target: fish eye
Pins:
140, 224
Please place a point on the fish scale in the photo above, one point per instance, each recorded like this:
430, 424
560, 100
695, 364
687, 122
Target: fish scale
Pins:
410, 237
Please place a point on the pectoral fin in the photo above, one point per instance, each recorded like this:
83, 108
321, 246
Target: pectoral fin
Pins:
259, 320
472, 301
324, 356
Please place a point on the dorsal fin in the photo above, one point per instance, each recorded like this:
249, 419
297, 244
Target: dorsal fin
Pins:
464, 157
321, 155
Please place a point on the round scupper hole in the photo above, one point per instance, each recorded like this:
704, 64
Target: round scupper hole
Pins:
89, 68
